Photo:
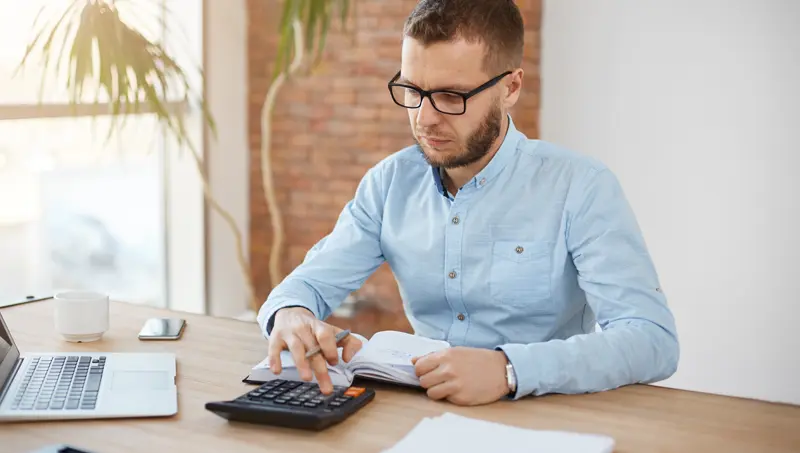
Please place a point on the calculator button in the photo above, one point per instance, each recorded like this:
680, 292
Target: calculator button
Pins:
354, 391
287, 386
281, 400
295, 403
310, 404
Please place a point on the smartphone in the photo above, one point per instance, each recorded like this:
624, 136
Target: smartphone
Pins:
162, 329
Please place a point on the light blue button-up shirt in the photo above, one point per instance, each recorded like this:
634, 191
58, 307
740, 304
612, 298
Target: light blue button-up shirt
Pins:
528, 257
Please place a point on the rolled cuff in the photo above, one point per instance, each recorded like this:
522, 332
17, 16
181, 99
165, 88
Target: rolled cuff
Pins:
266, 318
529, 366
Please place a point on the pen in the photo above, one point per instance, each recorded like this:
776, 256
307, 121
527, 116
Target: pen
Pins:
339, 337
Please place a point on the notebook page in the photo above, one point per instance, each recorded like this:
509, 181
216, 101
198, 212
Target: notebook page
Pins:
451, 432
397, 348
387, 356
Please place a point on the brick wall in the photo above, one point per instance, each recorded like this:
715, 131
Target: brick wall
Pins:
330, 127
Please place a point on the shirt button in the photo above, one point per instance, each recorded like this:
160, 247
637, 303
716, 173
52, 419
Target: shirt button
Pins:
455, 220
483, 181
461, 316
519, 249
452, 274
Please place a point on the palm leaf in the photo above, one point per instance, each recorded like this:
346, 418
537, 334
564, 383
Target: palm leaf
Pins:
315, 17
117, 61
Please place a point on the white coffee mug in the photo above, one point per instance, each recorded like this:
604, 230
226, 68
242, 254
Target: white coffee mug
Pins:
81, 316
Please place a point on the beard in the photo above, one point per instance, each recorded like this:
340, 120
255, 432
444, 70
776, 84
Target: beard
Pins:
477, 147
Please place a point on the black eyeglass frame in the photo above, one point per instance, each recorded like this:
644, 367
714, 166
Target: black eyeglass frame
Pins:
429, 94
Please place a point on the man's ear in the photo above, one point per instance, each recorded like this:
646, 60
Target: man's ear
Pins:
513, 87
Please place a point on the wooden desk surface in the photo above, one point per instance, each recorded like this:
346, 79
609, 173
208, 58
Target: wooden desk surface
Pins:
214, 354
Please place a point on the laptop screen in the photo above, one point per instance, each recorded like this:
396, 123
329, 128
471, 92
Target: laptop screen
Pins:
8, 353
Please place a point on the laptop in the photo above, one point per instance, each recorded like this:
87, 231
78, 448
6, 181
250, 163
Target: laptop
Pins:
84, 385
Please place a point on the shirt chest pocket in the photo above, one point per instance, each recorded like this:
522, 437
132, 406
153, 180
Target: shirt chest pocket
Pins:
520, 273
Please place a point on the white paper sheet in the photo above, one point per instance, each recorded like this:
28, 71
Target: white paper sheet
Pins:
450, 432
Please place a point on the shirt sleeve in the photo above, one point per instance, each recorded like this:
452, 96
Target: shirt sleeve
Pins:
638, 341
340, 262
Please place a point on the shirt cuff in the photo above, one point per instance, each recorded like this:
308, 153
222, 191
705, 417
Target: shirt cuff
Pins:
269, 315
530, 366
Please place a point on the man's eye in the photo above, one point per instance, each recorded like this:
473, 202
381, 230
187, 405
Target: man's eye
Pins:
447, 99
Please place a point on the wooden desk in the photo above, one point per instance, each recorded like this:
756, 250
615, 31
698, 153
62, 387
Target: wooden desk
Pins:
215, 354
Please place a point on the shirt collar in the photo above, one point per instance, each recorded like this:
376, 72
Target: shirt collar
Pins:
493, 168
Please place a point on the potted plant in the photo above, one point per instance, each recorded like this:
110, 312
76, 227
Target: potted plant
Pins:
103, 52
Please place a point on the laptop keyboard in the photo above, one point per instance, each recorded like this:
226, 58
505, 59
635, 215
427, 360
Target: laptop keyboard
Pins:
60, 383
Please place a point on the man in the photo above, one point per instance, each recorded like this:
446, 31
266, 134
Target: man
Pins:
510, 249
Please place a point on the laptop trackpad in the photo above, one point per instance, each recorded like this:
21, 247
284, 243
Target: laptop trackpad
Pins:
140, 380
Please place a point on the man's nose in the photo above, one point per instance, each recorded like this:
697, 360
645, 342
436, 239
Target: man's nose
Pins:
427, 115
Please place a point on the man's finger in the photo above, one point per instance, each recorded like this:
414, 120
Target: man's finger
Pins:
350, 346
427, 363
298, 350
316, 362
441, 391
433, 378
327, 343
276, 345
320, 368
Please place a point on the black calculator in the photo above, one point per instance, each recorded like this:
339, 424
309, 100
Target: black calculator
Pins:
293, 404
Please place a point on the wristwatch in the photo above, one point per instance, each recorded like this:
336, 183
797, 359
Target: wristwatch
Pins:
511, 378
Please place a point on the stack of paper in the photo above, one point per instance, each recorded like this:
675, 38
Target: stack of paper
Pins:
450, 432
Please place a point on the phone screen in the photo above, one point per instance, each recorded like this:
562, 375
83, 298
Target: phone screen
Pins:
162, 328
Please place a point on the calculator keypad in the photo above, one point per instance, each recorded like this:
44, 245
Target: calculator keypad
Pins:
300, 395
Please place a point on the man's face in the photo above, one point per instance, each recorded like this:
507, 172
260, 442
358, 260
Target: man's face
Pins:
452, 141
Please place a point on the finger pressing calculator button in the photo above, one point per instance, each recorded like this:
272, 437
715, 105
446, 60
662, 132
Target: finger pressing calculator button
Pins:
354, 391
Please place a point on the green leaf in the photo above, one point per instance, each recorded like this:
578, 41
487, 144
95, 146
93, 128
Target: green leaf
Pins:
81, 54
291, 11
60, 53
311, 22
44, 30
323, 34
345, 11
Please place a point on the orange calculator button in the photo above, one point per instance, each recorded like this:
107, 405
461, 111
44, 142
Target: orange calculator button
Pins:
354, 391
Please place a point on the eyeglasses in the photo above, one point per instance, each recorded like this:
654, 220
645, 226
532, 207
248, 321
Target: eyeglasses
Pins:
445, 101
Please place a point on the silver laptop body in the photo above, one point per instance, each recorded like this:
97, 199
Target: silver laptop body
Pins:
90, 385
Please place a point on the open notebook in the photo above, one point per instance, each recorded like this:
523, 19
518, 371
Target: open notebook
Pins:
385, 357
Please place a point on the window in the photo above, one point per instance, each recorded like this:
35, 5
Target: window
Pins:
80, 212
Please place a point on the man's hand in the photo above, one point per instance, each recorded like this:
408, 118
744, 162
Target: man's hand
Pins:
298, 330
464, 376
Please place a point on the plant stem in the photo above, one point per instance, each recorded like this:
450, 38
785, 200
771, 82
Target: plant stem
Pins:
266, 163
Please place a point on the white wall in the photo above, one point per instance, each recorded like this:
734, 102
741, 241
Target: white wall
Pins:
184, 202
229, 153
695, 104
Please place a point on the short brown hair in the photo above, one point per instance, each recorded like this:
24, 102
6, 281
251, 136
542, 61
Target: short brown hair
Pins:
496, 23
